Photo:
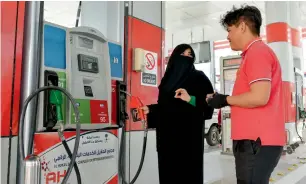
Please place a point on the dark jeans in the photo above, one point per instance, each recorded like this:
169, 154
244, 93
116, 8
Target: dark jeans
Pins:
254, 162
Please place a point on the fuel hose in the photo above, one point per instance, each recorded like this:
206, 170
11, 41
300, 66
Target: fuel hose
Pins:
75, 165
77, 122
122, 151
122, 156
298, 111
56, 99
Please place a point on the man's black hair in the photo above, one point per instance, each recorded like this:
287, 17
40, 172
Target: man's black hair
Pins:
249, 14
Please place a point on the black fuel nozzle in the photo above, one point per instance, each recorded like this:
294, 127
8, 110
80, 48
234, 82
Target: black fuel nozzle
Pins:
122, 115
302, 113
50, 97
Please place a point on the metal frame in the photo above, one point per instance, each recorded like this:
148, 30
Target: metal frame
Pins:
32, 51
296, 70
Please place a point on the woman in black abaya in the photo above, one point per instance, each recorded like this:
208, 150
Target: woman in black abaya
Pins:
179, 119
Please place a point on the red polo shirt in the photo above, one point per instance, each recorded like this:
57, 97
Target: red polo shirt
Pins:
267, 122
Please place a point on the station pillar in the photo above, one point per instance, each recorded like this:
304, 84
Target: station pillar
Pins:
144, 29
145, 23
283, 34
134, 24
105, 16
12, 38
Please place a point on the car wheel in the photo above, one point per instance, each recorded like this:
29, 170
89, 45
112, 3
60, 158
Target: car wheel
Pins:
212, 137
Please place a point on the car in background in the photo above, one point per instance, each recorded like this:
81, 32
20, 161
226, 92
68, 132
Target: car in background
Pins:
213, 129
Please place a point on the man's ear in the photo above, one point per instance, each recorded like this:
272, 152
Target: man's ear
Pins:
243, 26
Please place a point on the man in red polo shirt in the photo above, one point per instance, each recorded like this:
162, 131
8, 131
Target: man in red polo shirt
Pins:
257, 117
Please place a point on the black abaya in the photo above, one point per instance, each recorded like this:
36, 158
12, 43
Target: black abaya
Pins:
180, 130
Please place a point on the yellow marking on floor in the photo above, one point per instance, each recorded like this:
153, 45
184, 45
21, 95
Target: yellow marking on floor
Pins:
280, 174
271, 180
290, 169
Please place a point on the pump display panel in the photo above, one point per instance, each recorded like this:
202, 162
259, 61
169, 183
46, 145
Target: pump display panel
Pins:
231, 62
88, 63
229, 80
230, 68
85, 43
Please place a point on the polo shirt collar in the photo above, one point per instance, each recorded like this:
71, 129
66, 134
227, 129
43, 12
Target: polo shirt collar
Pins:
249, 45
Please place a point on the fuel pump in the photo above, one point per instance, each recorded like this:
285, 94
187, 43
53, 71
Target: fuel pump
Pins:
300, 109
90, 77
78, 61
75, 60
229, 67
300, 114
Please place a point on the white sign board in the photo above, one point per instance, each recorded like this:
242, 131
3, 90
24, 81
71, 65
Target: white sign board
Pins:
97, 157
149, 74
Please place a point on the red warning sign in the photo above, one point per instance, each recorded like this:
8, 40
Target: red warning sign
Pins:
149, 74
150, 61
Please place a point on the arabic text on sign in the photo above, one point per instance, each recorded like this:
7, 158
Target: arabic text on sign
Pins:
85, 154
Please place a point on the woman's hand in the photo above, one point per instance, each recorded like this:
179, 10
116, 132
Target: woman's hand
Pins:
182, 94
209, 96
145, 110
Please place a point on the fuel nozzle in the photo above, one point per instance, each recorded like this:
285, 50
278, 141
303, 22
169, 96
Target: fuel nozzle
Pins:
56, 99
302, 113
136, 109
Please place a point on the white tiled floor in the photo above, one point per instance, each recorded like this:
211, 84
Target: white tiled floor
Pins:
208, 149
219, 169
302, 181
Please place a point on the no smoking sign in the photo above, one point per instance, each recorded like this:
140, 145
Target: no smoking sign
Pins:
149, 74
150, 61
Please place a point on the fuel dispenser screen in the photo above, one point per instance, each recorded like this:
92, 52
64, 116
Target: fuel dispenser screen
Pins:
85, 43
88, 63
229, 73
231, 62
229, 80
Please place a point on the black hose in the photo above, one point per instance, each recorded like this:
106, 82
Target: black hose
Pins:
75, 165
122, 156
122, 152
297, 110
77, 121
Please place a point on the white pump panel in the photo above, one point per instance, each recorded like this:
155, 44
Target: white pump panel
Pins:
89, 81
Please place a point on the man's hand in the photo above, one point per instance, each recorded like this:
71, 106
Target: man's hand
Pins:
182, 94
217, 100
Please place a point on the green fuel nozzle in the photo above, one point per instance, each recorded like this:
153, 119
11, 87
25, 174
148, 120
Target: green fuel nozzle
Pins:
57, 100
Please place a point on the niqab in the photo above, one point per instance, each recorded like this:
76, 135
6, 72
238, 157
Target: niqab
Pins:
178, 69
